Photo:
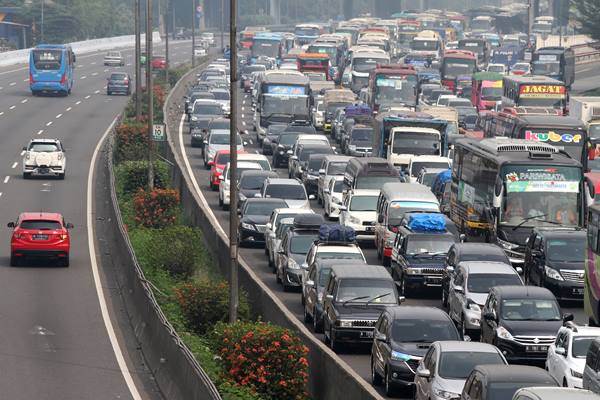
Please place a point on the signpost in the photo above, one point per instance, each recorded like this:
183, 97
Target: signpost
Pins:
158, 132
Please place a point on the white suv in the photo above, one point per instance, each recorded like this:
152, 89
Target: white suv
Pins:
359, 211
44, 157
566, 356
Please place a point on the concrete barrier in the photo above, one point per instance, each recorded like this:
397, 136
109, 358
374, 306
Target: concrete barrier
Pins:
329, 376
83, 47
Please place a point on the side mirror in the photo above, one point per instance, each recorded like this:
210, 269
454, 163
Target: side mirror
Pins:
304, 265
11, 224
380, 219
462, 237
423, 373
343, 208
567, 317
221, 178
69, 225
289, 152
381, 337
489, 316
310, 283
205, 141
311, 197
326, 191
245, 143
459, 289
401, 299
269, 226
560, 351
321, 172
329, 296
450, 269
25, 148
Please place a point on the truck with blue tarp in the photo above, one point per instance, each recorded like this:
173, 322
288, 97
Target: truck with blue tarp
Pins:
400, 135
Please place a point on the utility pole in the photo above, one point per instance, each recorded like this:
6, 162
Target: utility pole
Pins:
222, 24
138, 70
193, 32
233, 200
42, 28
149, 93
167, 8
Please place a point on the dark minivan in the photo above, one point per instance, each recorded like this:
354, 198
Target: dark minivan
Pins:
370, 173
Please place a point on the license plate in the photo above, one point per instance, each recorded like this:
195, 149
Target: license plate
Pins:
39, 237
578, 291
370, 228
366, 334
44, 170
537, 349
434, 281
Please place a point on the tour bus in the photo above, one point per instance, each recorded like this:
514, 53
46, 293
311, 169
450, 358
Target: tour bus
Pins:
392, 85
306, 33
591, 278
283, 97
427, 43
503, 188
480, 47
534, 91
267, 44
336, 54
314, 62
408, 31
362, 63
457, 63
51, 69
555, 62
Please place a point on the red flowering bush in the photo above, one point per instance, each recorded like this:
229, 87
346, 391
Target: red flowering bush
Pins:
269, 359
156, 208
131, 141
204, 303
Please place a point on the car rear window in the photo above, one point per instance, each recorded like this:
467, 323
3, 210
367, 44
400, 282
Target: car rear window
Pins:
40, 224
118, 77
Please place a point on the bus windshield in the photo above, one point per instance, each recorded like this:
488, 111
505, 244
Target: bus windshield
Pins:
545, 68
390, 90
46, 59
424, 45
491, 93
288, 105
540, 195
267, 48
366, 64
455, 67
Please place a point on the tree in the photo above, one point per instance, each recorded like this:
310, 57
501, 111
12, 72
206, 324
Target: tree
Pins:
588, 11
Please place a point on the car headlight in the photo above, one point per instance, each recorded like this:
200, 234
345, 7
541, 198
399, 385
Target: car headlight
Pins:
397, 356
507, 245
474, 306
292, 264
553, 274
503, 333
351, 147
248, 226
444, 394
194, 118
576, 374
345, 323
413, 271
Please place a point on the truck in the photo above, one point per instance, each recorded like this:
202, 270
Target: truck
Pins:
449, 114
486, 90
400, 135
587, 110
333, 99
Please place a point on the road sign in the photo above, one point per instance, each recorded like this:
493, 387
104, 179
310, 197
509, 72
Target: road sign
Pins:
158, 132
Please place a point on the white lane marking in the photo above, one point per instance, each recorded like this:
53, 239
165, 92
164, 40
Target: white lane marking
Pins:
23, 152
12, 107
94, 62
58, 116
15, 165
243, 108
81, 65
83, 77
1, 113
129, 64
40, 131
0, 194
257, 152
250, 140
25, 80
97, 282
13, 83
49, 123
14, 70
78, 103
6, 179
244, 101
105, 70
24, 101
244, 123
243, 116
69, 108
87, 97
97, 91
94, 73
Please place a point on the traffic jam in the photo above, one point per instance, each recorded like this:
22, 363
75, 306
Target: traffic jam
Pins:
422, 187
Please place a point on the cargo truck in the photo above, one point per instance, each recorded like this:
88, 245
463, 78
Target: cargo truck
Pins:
587, 110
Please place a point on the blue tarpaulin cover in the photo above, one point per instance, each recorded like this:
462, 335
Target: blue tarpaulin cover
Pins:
439, 180
427, 222
356, 110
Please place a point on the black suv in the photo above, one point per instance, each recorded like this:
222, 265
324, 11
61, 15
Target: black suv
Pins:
354, 297
522, 321
282, 148
250, 183
555, 258
402, 336
418, 257
460, 252
310, 172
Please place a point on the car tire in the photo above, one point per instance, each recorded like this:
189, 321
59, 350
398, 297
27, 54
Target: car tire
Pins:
307, 318
565, 384
461, 327
220, 202
333, 344
65, 262
61, 176
389, 390
386, 261
277, 276
375, 377
26, 175
317, 323
403, 288
14, 261
379, 252
444, 300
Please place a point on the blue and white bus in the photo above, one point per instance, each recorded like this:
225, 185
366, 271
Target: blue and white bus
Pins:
267, 44
51, 69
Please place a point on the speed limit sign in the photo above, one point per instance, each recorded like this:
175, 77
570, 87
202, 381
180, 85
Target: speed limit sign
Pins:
158, 132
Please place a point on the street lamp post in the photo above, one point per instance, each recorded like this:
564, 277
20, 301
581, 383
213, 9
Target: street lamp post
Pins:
138, 70
166, 20
193, 32
149, 93
42, 27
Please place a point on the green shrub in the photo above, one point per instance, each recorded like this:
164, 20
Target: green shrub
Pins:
267, 358
204, 303
156, 208
232, 391
133, 175
131, 141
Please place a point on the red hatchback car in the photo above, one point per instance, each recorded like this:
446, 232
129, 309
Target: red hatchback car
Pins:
40, 235
217, 165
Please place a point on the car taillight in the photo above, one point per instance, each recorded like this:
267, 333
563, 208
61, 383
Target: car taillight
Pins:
20, 235
63, 236
63, 79
31, 78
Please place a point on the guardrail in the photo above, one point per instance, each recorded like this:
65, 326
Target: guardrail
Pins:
178, 374
83, 47
329, 375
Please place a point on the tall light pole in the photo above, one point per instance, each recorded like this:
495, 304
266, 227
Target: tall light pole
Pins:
166, 21
42, 28
193, 32
149, 93
138, 70
233, 200
222, 23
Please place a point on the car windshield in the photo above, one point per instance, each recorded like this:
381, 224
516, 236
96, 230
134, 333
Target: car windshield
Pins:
289, 192
580, 346
248, 69
221, 95
419, 144
362, 135
252, 182
222, 138
363, 203
481, 283
423, 330
428, 244
566, 250
379, 291
336, 168
40, 225
222, 158
339, 186
307, 151
47, 59
260, 208
530, 310
374, 182
506, 390
328, 255
288, 139
275, 129
301, 244
44, 147
208, 109
459, 364
419, 165
314, 164
323, 276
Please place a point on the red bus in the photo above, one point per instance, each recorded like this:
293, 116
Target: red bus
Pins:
314, 62
392, 84
457, 63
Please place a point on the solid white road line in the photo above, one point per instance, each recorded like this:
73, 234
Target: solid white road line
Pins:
6, 179
40, 131
94, 73
97, 282
25, 80
83, 77
15, 165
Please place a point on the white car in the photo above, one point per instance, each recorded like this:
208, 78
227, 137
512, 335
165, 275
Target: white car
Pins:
332, 197
325, 250
200, 51
260, 159
225, 179
443, 99
417, 163
359, 211
209, 38
114, 58
566, 356
218, 139
317, 115
499, 68
44, 157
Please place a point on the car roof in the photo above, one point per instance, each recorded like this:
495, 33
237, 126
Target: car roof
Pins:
264, 200
350, 247
40, 215
41, 140
483, 267
362, 271
293, 210
258, 172
559, 393
405, 311
460, 345
514, 373
560, 233
477, 248
518, 292
283, 181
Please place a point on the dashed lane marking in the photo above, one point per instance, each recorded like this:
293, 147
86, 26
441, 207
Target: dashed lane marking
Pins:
49, 123
69, 108
58, 116
12, 107
40, 131
6, 179
87, 97
97, 91
13, 83
244, 123
94, 73
78, 103
15, 165
24, 101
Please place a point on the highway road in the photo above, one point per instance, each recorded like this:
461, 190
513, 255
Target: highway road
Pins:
357, 358
54, 342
